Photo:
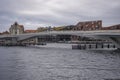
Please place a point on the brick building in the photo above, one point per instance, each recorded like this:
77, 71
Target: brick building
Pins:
30, 31
114, 27
5, 33
89, 25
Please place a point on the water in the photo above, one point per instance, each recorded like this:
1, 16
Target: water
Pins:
25, 63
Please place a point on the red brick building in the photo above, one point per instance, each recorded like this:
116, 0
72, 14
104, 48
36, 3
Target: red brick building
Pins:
89, 25
114, 27
30, 31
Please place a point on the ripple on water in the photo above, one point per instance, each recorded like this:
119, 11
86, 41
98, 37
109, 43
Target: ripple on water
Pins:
22, 63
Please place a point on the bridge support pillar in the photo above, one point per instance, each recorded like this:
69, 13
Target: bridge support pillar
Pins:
36, 40
116, 41
14, 40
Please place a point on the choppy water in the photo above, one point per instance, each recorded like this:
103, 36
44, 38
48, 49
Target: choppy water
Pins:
23, 63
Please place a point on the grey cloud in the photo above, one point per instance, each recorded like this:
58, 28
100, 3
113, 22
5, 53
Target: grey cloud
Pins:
34, 13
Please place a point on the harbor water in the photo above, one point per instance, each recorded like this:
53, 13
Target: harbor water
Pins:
58, 63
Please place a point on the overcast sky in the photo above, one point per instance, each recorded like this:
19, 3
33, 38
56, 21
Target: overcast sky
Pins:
35, 13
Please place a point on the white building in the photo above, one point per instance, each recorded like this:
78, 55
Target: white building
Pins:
16, 29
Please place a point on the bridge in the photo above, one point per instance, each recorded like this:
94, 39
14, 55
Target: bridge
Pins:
112, 35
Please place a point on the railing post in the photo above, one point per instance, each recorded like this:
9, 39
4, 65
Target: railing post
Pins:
113, 46
108, 46
89, 46
102, 45
96, 46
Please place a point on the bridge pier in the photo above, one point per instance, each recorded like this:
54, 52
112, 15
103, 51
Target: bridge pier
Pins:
8, 41
96, 45
36, 40
116, 41
102, 46
90, 46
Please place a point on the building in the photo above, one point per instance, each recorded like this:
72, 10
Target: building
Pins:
89, 25
30, 31
5, 33
114, 27
16, 29
41, 29
69, 27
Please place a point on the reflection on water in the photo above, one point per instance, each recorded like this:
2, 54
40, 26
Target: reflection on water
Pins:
22, 63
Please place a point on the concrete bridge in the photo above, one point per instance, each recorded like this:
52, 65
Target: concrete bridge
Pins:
113, 35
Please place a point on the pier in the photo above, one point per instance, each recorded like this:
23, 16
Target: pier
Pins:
93, 46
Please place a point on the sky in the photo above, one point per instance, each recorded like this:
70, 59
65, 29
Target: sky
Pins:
42, 13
